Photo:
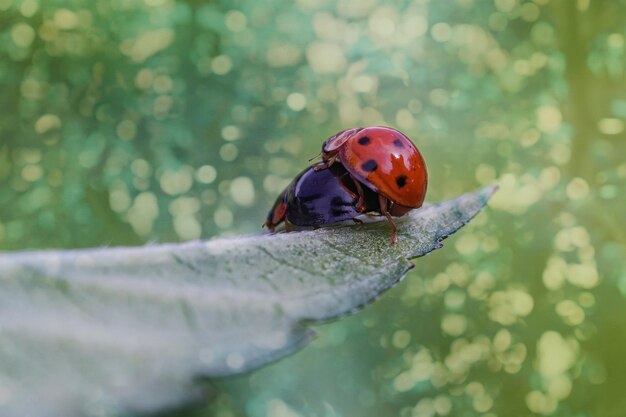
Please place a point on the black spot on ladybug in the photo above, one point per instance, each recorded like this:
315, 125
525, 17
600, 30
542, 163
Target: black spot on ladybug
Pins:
311, 197
338, 203
364, 141
398, 143
338, 212
401, 181
370, 166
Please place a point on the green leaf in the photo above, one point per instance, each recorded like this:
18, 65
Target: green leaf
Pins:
102, 330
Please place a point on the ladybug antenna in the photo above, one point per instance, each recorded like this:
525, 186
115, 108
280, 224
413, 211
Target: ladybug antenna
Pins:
316, 156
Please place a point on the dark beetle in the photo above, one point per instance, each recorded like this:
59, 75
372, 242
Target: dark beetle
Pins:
320, 197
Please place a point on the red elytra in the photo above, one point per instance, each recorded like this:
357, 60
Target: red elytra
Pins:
384, 160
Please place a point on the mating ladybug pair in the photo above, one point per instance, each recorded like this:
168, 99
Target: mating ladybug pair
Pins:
374, 170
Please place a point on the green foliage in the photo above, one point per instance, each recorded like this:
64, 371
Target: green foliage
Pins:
131, 121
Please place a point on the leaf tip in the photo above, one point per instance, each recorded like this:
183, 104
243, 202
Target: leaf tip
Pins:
488, 192
491, 190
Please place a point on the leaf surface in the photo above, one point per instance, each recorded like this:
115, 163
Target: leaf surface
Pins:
93, 332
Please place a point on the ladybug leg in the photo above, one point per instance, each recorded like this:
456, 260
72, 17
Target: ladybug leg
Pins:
348, 190
360, 205
326, 163
384, 203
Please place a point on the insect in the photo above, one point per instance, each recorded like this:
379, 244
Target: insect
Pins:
383, 160
318, 198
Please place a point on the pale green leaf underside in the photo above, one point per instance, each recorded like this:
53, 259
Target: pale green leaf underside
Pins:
89, 332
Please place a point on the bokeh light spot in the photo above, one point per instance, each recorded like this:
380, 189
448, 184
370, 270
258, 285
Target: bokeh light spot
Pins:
206, 174
441, 32
147, 44
229, 152
549, 119
231, 133
65, 19
235, 21
242, 191
296, 101
221, 64
577, 189
176, 181
401, 339
47, 122
325, 58
223, 218
611, 126
22, 34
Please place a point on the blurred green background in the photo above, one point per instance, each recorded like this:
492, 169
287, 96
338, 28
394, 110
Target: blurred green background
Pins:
125, 122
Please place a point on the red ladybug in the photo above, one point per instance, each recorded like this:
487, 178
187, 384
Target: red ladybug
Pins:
384, 160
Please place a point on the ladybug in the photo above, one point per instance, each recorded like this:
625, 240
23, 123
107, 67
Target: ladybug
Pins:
319, 197
383, 160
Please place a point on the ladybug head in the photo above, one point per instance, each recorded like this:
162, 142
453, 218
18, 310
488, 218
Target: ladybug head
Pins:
332, 144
